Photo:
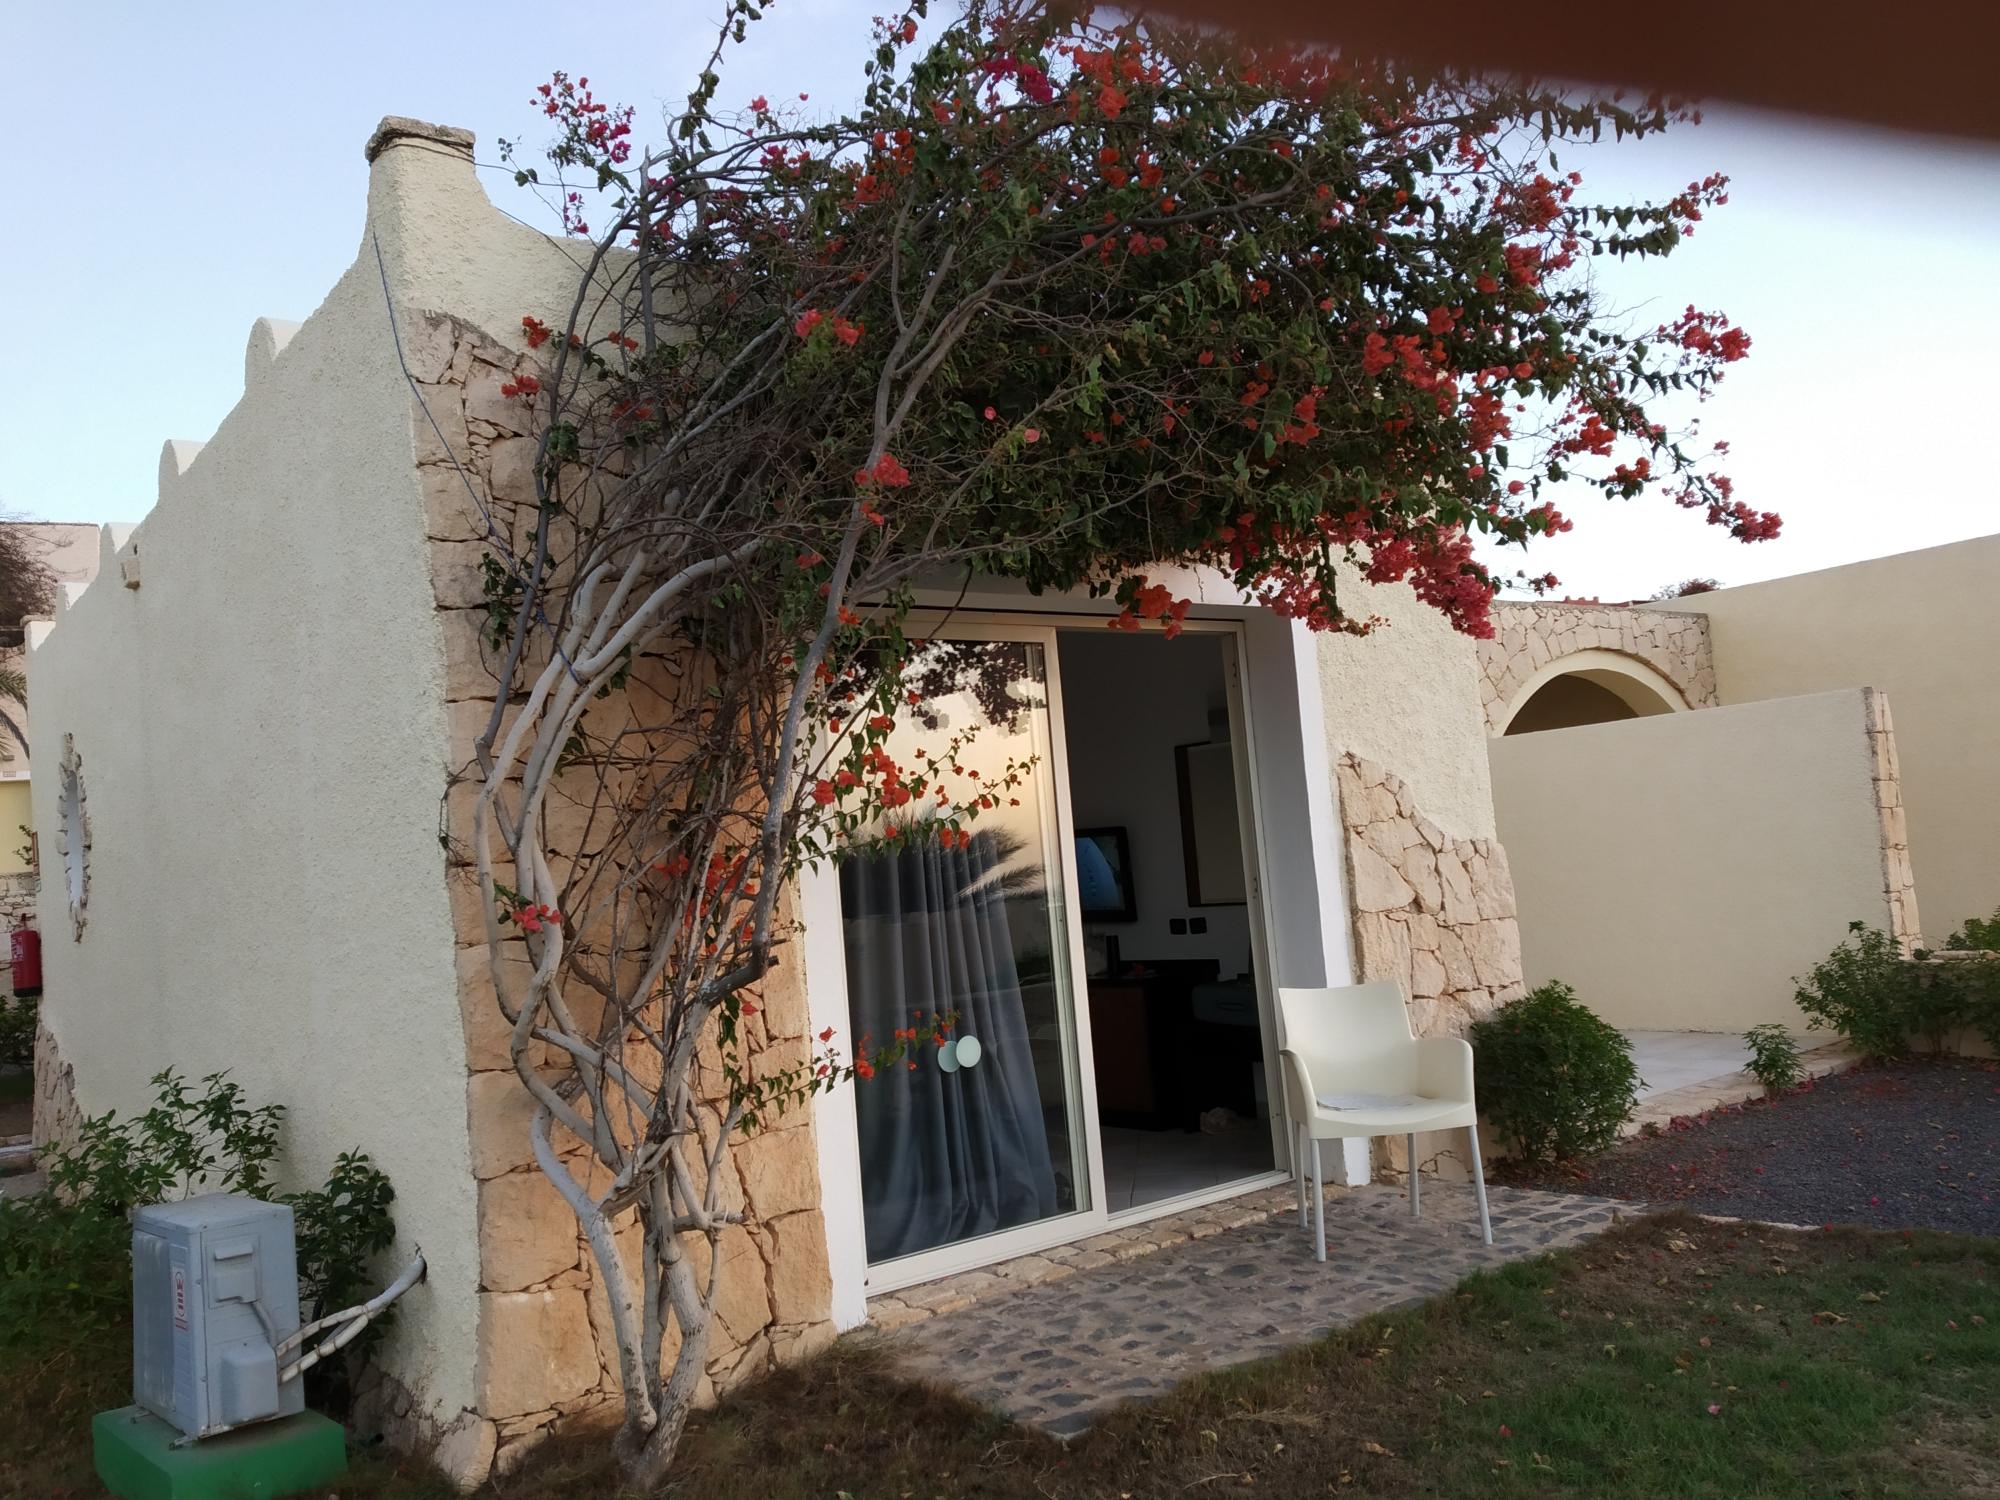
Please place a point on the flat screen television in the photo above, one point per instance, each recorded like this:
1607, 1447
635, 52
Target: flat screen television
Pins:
1104, 876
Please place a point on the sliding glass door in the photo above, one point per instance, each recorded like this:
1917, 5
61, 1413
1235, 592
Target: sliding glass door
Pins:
983, 1147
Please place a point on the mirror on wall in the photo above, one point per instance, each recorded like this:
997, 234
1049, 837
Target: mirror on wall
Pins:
1211, 841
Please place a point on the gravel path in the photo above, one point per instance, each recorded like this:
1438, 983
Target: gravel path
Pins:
1897, 1145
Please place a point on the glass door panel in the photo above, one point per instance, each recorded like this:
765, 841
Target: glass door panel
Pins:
985, 1134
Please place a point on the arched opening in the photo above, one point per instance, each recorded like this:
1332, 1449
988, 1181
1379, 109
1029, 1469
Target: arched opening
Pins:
1590, 687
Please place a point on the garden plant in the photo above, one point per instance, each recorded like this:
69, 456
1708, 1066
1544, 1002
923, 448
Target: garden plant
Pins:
1774, 1058
66, 1251
1556, 1080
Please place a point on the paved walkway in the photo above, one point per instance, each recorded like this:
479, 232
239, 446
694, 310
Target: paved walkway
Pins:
1693, 1072
1060, 1354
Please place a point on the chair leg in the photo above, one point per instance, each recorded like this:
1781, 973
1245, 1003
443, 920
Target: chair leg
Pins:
1319, 1203
1479, 1185
1410, 1145
1299, 1168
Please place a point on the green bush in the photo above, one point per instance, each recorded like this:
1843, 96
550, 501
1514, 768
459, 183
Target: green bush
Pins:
1962, 992
17, 1030
1774, 1057
66, 1252
1979, 934
1881, 1000
1555, 1080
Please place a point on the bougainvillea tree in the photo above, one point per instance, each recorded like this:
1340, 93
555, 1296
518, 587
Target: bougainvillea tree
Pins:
1063, 298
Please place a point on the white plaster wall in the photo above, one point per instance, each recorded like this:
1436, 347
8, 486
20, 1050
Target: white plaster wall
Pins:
264, 745
1924, 626
1407, 696
1680, 870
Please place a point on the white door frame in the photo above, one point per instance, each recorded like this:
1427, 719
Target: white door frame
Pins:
1080, 1087
1299, 920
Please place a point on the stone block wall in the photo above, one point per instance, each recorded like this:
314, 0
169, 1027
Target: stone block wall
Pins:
1528, 636
1433, 912
545, 1342
57, 1119
56, 1116
1899, 881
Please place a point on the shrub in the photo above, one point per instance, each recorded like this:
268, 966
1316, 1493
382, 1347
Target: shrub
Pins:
1979, 934
1960, 989
1864, 990
1555, 1080
17, 1030
1880, 999
1774, 1057
66, 1252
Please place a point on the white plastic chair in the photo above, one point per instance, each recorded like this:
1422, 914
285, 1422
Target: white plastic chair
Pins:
1355, 1043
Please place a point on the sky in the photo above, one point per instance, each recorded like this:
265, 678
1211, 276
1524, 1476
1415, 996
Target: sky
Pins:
194, 168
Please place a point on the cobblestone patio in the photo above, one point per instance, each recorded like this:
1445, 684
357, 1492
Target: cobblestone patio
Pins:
1059, 1353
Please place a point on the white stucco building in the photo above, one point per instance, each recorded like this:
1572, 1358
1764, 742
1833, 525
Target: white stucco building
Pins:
269, 695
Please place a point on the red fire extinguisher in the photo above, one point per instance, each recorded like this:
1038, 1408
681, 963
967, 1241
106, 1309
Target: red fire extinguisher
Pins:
27, 961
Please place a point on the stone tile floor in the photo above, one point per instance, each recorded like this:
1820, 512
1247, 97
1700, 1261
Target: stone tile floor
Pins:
1059, 1354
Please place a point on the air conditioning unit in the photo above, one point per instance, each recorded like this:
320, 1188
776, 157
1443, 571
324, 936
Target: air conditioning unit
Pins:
215, 1291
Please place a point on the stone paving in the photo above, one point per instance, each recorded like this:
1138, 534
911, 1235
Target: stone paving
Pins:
1059, 1355
1657, 1111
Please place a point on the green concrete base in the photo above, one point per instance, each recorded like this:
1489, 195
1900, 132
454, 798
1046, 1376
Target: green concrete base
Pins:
136, 1458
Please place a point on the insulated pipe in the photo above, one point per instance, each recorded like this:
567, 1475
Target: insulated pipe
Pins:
352, 1321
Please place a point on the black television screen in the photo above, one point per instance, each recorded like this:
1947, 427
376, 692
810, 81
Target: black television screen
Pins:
1104, 875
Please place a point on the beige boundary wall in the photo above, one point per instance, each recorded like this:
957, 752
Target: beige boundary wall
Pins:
1680, 870
1925, 627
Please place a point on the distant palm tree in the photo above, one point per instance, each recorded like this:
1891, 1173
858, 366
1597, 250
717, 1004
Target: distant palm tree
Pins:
27, 588
994, 870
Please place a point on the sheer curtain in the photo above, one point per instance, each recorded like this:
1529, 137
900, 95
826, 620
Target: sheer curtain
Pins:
944, 1155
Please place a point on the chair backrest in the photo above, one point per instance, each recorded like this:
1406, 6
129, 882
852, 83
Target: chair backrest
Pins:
1354, 1037
1298, 1085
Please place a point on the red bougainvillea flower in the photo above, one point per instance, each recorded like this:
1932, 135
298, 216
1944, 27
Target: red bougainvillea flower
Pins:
887, 473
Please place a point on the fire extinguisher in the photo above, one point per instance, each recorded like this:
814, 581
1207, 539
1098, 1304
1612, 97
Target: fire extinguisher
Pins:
27, 961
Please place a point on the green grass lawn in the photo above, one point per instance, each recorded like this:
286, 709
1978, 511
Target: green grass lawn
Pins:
1669, 1358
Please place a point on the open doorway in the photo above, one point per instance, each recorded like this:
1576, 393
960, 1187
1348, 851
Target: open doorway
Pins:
1177, 1031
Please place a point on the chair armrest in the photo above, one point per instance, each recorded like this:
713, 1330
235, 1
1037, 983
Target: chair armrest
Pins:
1444, 1068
